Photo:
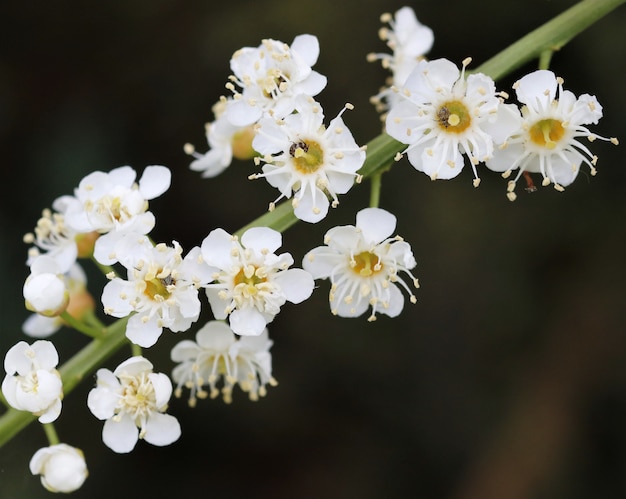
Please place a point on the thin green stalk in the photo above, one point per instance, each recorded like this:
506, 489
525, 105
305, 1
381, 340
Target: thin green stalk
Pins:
375, 185
81, 326
51, 433
552, 35
545, 58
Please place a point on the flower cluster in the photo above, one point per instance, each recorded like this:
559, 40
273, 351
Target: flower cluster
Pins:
273, 118
443, 118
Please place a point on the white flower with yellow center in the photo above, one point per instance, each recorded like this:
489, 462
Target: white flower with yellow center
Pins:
250, 282
61, 466
271, 76
32, 382
409, 41
112, 203
546, 140
308, 160
132, 401
442, 116
218, 354
161, 290
226, 141
363, 264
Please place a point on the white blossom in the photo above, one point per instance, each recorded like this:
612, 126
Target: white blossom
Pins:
61, 466
218, 354
363, 264
271, 76
305, 159
409, 41
442, 116
250, 282
132, 401
226, 141
547, 137
32, 382
112, 203
161, 289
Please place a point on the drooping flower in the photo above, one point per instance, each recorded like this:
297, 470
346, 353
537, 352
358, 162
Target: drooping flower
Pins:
226, 141
218, 354
442, 116
161, 288
132, 400
45, 289
409, 41
61, 466
32, 382
305, 159
113, 203
547, 138
270, 77
80, 302
250, 282
363, 264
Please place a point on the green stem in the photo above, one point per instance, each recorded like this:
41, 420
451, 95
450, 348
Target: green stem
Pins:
553, 35
51, 433
72, 373
375, 185
545, 58
81, 326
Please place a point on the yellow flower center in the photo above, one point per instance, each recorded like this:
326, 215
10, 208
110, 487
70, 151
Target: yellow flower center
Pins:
453, 116
250, 278
157, 289
547, 133
242, 144
366, 264
308, 157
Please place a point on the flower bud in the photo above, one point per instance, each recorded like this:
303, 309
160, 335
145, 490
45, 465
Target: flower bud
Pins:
62, 467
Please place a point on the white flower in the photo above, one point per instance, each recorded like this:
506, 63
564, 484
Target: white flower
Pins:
271, 76
251, 282
132, 399
409, 41
80, 301
216, 354
546, 139
304, 158
53, 236
32, 382
45, 290
362, 264
61, 466
113, 202
226, 141
161, 290
442, 116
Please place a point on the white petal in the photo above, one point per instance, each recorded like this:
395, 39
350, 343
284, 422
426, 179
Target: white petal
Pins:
247, 322
162, 389
154, 181
215, 335
262, 239
133, 366
120, 436
307, 47
539, 85
161, 429
216, 249
296, 284
376, 224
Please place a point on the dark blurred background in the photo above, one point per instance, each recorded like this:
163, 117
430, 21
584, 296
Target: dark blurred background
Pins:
506, 380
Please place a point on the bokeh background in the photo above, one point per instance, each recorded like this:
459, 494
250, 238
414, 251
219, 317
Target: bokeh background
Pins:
506, 380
